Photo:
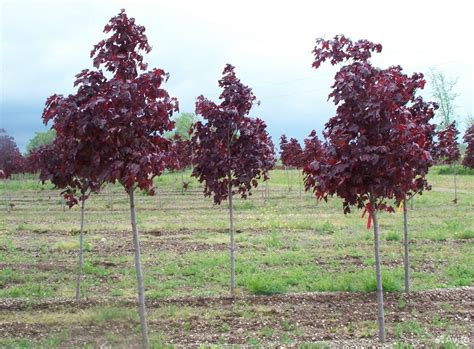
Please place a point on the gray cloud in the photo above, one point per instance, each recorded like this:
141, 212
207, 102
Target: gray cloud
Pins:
45, 43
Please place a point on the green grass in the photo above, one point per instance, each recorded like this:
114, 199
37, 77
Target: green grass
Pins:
392, 236
410, 327
285, 243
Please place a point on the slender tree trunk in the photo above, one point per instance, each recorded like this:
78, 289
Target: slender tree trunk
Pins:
7, 195
406, 259
300, 182
232, 248
81, 253
138, 268
288, 174
175, 189
378, 274
455, 187
109, 194
182, 181
267, 191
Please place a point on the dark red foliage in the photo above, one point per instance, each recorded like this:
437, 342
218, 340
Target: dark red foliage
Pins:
447, 149
379, 141
229, 144
114, 126
468, 160
119, 53
181, 150
291, 152
313, 149
56, 164
11, 160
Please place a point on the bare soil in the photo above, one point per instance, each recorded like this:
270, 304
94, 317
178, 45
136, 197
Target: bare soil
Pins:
334, 317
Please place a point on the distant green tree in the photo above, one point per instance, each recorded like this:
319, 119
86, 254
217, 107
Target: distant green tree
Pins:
41, 138
442, 87
183, 123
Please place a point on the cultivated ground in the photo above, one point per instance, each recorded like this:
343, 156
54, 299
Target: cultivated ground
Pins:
305, 272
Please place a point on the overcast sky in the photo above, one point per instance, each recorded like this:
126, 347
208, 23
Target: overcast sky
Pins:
45, 43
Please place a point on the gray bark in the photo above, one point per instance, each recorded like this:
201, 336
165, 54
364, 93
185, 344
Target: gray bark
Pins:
267, 191
232, 248
138, 268
109, 193
378, 274
300, 184
7, 195
455, 187
406, 259
81, 253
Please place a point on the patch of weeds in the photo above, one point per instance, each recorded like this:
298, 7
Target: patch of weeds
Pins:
66, 245
16, 343
10, 246
392, 236
40, 231
327, 228
465, 235
224, 327
285, 339
10, 276
267, 331
253, 342
27, 290
461, 275
104, 315
401, 303
390, 282
274, 241
288, 327
116, 292
76, 232
440, 322
437, 236
262, 284
95, 270
157, 340
408, 327
21, 227
246, 205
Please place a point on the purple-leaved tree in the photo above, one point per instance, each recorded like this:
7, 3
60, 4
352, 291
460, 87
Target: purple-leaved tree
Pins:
374, 149
120, 121
231, 150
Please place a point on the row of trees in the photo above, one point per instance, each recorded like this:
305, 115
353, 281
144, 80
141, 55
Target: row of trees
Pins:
116, 128
376, 152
